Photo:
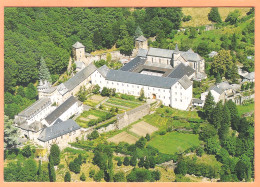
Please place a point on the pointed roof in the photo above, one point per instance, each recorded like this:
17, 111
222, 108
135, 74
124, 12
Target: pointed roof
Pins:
141, 38
190, 50
176, 48
78, 45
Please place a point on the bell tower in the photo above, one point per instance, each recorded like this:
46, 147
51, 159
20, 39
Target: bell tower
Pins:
78, 50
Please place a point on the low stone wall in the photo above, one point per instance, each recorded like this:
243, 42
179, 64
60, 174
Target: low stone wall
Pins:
131, 116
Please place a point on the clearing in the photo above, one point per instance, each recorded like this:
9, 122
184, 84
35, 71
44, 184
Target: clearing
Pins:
142, 128
174, 142
123, 137
242, 109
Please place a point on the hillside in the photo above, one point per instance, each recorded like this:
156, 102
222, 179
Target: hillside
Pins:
200, 15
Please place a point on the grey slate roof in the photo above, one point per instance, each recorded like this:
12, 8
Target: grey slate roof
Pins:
79, 64
141, 38
216, 89
103, 70
142, 52
165, 53
185, 82
35, 107
58, 129
140, 79
133, 64
61, 109
191, 56
181, 70
34, 127
224, 85
78, 45
77, 79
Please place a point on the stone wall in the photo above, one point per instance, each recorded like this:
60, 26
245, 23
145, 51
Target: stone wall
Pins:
131, 116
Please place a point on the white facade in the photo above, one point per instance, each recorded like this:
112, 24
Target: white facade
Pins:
176, 96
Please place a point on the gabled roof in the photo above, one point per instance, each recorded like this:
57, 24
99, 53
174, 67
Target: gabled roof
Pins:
224, 85
191, 56
36, 107
58, 129
130, 66
142, 52
185, 82
103, 70
181, 70
34, 127
77, 79
60, 110
79, 64
141, 38
78, 45
140, 79
165, 53
216, 89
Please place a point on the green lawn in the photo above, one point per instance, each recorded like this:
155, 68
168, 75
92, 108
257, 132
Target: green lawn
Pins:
242, 109
174, 142
121, 102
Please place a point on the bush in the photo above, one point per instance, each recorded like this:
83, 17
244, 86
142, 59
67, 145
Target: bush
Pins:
162, 132
156, 175
92, 173
26, 151
74, 167
93, 135
119, 177
82, 177
67, 177
126, 161
148, 137
98, 176
119, 162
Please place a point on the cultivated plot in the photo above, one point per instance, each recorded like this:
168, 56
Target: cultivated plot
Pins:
123, 137
142, 128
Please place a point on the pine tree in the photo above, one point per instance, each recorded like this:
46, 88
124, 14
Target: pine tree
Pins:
126, 161
216, 117
67, 177
55, 154
138, 32
44, 73
225, 124
11, 133
39, 172
218, 78
234, 42
133, 161
52, 174
214, 15
208, 106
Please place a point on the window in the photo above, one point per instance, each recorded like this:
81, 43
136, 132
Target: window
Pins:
181, 100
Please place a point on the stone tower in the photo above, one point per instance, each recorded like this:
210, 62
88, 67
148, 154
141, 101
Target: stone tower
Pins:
141, 43
78, 51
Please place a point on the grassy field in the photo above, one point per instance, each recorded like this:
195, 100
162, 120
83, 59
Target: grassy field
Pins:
174, 142
124, 103
86, 116
200, 15
242, 109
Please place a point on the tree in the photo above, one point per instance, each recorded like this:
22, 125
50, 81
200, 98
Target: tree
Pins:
39, 172
55, 154
225, 124
26, 151
193, 33
82, 177
126, 46
203, 48
139, 175
105, 91
142, 97
20, 91
52, 174
181, 167
92, 173
133, 161
222, 63
119, 162
218, 78
67, 177
31, 91
208, 106
234, 42
214, 15
119, 177
156, 175
141, 143
98, 176
11, 133
44, 73
93, 135
148, 137
126, 161
216, 117
232, 17
243, 168
138, 32
28, 171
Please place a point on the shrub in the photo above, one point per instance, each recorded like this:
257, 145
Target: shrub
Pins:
147, 137
156, 175
92, 173
119, 162
162, 132
74, 167
26, 151
119, 177
82, 177
67, 177
93, 135
98, 176
126, 161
